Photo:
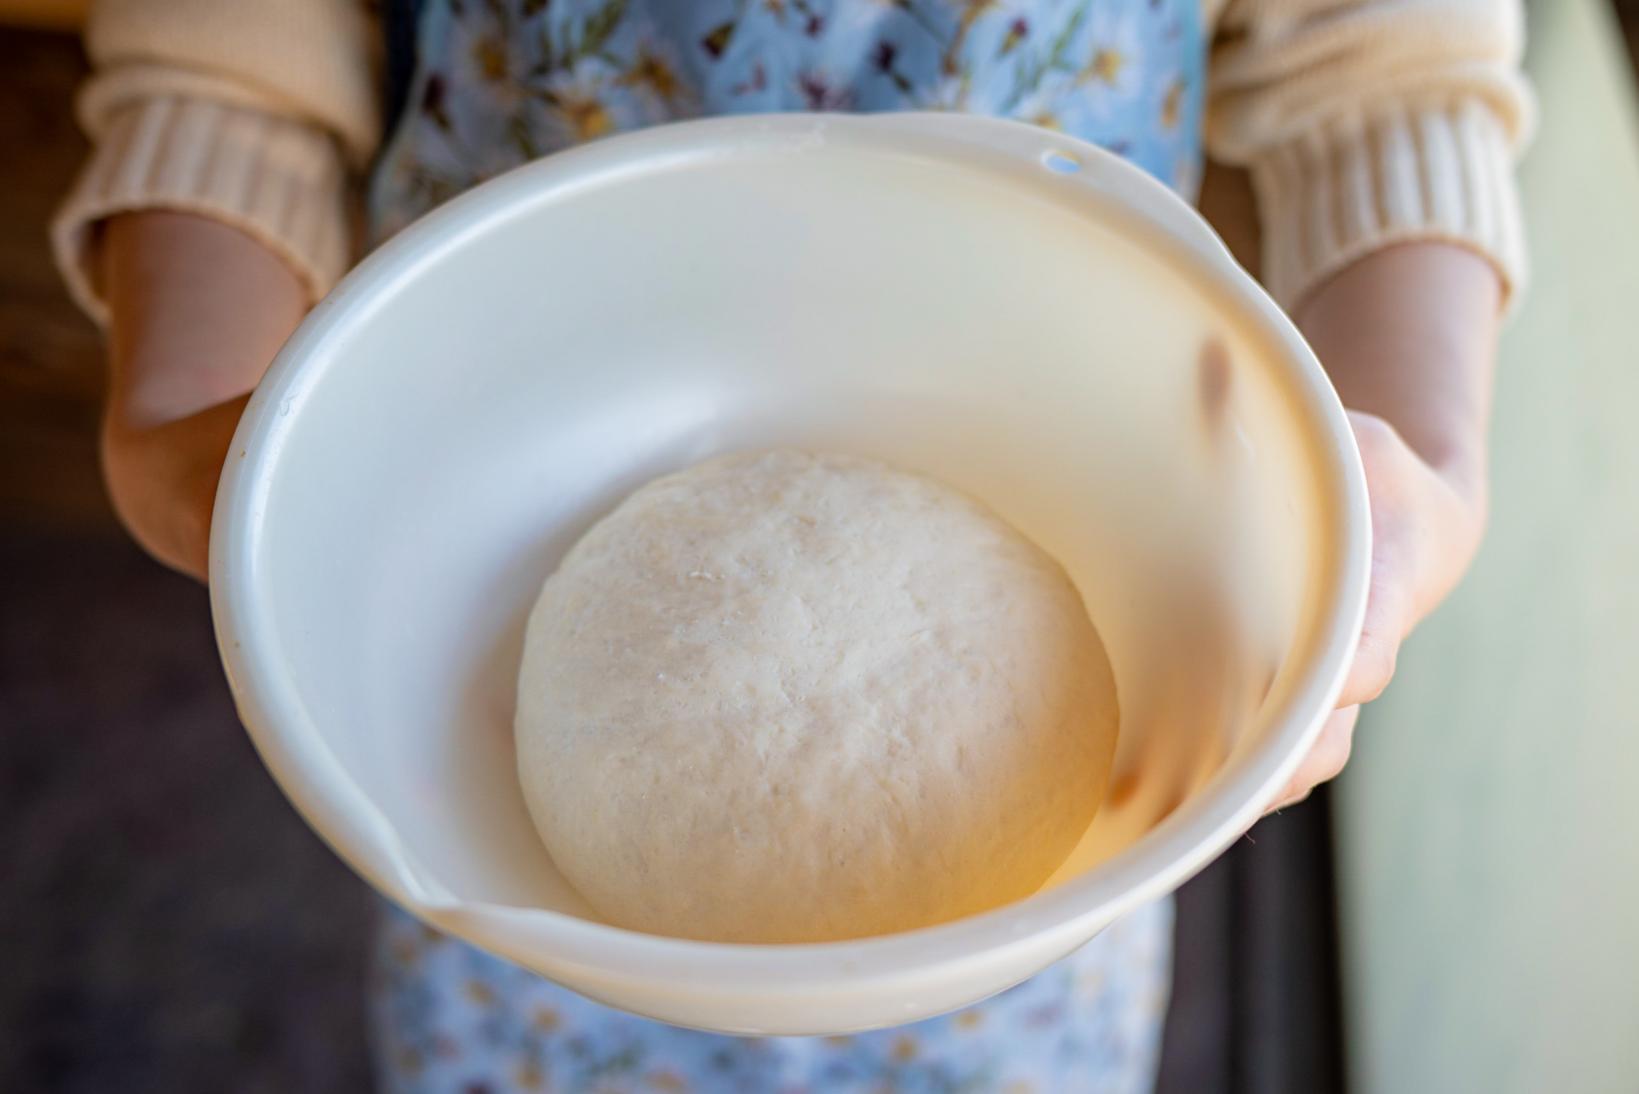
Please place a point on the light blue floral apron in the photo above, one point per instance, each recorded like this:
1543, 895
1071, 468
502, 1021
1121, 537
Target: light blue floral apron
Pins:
500, 82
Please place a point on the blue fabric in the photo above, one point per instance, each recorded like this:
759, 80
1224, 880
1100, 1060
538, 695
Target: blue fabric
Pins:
448, 1018
500, 82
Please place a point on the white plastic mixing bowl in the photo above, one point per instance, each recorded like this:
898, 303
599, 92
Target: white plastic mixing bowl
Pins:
1015, 312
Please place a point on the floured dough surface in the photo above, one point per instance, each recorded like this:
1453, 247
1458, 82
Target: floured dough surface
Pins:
783, 696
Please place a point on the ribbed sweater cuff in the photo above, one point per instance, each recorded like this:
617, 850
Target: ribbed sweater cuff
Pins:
280, 181
1360, 184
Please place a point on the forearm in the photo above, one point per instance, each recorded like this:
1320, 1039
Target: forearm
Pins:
1409, 335
197, 310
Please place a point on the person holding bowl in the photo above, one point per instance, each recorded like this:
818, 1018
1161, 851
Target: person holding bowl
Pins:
231, 139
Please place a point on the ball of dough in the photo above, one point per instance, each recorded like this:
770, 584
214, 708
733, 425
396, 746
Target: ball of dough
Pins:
785, 697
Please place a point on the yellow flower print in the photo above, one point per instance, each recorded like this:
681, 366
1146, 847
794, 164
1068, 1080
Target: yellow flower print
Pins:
529, 1076
904, 1049
480, 993
668, 1081
651, 72
546, 1020
489, 57
1105, 67
584, 115
1046, 119
1172, 107
970, 1019
1020, 1086
839, 1042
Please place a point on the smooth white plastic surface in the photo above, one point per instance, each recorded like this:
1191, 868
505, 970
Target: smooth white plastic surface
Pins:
1010, 310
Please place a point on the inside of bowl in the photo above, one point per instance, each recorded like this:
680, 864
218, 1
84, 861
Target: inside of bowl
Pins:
1001, 328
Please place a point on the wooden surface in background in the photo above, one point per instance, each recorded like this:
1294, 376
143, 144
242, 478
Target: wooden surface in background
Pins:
50, 355
56, 14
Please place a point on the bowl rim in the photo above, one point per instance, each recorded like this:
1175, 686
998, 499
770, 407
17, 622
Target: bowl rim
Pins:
1182, 844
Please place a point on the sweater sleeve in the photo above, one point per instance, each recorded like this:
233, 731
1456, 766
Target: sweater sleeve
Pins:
247, 111
1366, 123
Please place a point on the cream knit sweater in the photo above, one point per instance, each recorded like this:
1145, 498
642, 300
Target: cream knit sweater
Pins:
1363, 123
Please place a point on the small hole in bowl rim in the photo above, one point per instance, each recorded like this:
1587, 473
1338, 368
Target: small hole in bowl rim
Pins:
1060, 163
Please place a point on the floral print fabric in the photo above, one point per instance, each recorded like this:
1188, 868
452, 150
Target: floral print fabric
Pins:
448, 1018
501, 82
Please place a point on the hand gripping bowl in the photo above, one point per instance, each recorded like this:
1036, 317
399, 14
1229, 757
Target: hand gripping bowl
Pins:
1014, 312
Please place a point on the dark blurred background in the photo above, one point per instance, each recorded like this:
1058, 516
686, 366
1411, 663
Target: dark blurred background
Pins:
168, 924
